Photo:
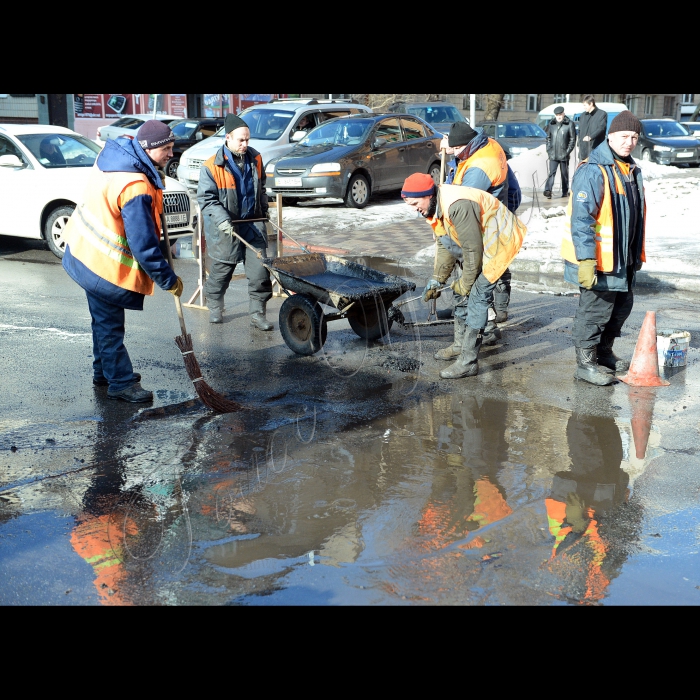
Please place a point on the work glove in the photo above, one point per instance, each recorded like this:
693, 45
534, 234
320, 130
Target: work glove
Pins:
227, 228
459, 286
431, 290
176, 289
586, 273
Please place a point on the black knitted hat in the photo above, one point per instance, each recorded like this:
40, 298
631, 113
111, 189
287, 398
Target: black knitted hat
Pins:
460, 134
232, 122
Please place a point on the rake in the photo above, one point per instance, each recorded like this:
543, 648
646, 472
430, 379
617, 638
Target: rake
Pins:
207, 395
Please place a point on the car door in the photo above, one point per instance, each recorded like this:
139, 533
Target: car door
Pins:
389, 161
19, 184
420, 146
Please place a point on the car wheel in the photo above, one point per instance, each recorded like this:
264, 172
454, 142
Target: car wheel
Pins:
357, 194
302, 324
646, 155
434, 172
290, 201
171, 168
55, 227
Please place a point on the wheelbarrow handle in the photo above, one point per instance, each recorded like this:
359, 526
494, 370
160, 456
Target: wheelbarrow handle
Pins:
284, 233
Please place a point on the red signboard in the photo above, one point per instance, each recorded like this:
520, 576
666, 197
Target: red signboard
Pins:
116, 105
88, 106
178, 105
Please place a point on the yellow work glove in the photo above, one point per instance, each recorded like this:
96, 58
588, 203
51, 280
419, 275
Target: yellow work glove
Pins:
176, 289
459, 286
586, 273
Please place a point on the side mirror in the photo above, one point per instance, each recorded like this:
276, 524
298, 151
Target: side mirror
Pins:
199, 136
379, 142
298, 136
10, 161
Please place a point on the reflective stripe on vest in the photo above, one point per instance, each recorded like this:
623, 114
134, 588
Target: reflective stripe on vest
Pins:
95, 231
502, 232
489, 158
604, 227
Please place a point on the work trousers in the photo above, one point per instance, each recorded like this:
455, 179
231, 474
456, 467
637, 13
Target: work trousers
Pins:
259, 283
598, 314
564, 166
473, 310
501, 295
111, 359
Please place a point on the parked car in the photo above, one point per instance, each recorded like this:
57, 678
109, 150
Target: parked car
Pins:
127, 125
694, 127
43, 173
515, 137
574, 110
440, 115
668, 142
354, 157
273, 131
189, 132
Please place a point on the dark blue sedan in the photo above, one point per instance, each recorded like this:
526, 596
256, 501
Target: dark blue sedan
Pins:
354, 157
667, 142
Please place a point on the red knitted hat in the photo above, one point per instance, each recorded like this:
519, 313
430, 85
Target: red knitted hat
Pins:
418, 185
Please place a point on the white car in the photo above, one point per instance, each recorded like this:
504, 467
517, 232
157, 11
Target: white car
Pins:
127, 125
43, 173
275, 128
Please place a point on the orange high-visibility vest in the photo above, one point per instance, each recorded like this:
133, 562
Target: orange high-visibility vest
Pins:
502, 231
95, 231
489, 158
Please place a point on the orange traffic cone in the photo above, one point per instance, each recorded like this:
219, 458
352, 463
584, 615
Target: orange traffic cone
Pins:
642, 401
644, 369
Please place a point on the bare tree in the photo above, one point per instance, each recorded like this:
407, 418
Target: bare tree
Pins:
379, 102
493, 105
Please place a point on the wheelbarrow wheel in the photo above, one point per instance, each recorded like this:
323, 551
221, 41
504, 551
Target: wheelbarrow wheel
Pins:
302, 324
370, 322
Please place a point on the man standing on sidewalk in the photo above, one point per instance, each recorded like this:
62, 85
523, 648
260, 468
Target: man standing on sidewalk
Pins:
603, 248
561, 140
472, 225
591, 127
232, 188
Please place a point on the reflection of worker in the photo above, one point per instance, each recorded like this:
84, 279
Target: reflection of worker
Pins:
580, 501
603, 248
48, 149
473, 224
232, 188
112, 249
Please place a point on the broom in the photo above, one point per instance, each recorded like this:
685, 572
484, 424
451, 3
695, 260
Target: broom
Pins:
207, 395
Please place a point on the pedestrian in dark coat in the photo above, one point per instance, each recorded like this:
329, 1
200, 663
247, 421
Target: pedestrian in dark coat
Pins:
591, 127
232, 188
561, 140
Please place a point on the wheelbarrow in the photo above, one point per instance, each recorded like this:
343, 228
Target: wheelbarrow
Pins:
360, 294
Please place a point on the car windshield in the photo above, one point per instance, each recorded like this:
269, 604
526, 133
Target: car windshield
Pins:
183, 129
265, 124
665, 128
519, 131
437, 115
347, 132
61, 150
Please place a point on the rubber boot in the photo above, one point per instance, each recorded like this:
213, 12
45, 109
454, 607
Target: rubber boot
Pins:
466, 365
454, 350
607, 358
588, 369
258, 320
492, 334
215, 315
501, 297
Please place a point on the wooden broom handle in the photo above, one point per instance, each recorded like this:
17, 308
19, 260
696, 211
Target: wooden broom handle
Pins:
178, 305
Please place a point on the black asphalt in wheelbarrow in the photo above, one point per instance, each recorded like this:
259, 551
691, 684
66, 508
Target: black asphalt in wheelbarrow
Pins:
361, 294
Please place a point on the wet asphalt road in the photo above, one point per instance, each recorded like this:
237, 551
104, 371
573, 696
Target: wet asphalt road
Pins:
354, 476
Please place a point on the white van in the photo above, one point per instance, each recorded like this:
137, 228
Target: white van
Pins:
574, 110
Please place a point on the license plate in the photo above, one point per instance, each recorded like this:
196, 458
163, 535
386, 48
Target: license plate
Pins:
287, 182
176, 218
684, 154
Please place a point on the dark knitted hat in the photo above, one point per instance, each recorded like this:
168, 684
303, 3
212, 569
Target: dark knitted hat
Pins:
460, 134
233, 122
559, 110
418, 185
154, 134
625, 121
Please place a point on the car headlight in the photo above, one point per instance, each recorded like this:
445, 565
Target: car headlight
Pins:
517, 150
662, 148
270, 171
326, 169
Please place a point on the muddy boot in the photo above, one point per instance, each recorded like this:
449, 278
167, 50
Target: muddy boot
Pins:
607, 358
466, 365
588, 369
452, 352
134, 393
492, 334
501, 297
215, 315
258, 320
